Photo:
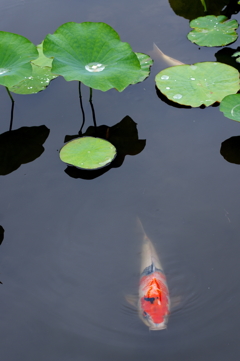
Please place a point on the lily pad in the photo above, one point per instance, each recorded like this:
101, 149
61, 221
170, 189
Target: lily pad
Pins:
40, 78
93, 54
88, 153
230, 106
16, 53
145, 62
201, 83
213, 30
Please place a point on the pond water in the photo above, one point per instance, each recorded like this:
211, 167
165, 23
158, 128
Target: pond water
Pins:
71, 251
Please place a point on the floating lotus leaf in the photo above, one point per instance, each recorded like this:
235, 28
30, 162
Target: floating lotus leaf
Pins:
16, 52
145, 62
201, 83
213, 31
40, 78
230, 106
88, 153
93, 54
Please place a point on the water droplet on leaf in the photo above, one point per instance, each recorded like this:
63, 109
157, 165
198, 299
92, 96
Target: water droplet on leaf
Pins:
94, 67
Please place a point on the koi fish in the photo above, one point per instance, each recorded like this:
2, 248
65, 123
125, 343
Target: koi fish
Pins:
153, 298
157, 53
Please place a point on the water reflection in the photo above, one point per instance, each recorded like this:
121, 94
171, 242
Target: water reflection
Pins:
21, 146
225, 56
123, 135
230, 150
192, 9
1, 237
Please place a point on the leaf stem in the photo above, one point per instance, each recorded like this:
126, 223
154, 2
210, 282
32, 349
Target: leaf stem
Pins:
12, 109
93, 112
81, 106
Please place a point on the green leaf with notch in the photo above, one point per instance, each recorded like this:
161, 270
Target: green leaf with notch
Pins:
40, 78
16, 53
201, 83
93, 54
230, 106
213, 30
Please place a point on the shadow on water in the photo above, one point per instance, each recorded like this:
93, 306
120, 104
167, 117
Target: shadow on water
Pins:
195, 8
21, 146
123, 135
1, 237
230, 150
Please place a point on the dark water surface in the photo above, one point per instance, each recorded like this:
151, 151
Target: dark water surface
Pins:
70, 252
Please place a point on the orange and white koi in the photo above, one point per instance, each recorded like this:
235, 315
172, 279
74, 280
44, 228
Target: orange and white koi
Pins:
154, 300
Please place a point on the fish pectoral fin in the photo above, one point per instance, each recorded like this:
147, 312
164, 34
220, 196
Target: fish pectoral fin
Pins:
175, 301
132, 300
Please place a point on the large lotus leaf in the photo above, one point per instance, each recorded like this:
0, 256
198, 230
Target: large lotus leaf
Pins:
213, 31
88, 153
201, 83
145, 62
93, 54
40, 78
230, 106
16, 53
191, 9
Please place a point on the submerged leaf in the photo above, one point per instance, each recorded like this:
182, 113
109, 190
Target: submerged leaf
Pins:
201, 83
230, 106
213, 30
40, 78
88, 153
93, 54
16, 53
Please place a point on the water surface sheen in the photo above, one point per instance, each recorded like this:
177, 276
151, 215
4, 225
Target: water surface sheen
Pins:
71, 251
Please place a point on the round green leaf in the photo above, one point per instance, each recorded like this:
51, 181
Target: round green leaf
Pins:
16, 53
230, 106
145, 62
213, 31
93, 54
40, 78
201, 83
88, 153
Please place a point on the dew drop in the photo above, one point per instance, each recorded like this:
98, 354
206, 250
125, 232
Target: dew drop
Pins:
167, 87
192, 78
177, 96
94, 67
165, 77
3, 71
